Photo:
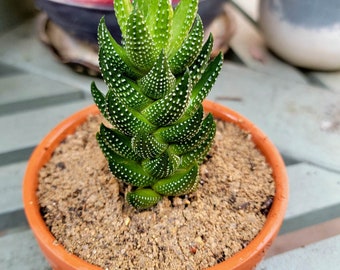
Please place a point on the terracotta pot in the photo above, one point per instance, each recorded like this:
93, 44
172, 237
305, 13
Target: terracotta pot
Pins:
246, 259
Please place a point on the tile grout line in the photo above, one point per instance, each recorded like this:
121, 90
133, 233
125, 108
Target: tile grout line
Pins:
303, 237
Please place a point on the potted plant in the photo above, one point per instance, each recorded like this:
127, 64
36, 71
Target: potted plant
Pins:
157, 133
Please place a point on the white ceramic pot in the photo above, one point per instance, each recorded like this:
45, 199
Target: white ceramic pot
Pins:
305, 33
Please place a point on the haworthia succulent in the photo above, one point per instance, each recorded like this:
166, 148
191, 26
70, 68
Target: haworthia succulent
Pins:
163, 165
124, 87
123, 8
182, 131
147, 145
161, 23
170, 108
130, 172
157, 80
139, 45
190, 144
117, 143
183, 182
199, 65
112, 55
158, 16
127, 170
204, 85
127, 120
183, 18
143, 198
198, 153
189, 50
100, 101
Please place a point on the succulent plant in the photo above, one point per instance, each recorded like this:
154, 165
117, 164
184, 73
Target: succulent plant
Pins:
157, 80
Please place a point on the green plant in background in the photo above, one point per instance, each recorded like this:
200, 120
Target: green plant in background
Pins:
157, 80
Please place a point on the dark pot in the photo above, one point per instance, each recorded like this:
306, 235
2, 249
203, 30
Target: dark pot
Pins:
80, 18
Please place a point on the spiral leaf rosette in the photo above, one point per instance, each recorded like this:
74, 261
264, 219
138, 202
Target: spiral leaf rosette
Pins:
157, 80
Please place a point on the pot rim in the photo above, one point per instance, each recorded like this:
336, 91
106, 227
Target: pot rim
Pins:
243, 259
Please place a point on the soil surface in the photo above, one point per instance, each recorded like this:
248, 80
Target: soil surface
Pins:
84, 206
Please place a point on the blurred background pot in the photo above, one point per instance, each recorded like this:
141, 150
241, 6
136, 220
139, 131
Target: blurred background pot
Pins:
80, 18
69, 28
305, 33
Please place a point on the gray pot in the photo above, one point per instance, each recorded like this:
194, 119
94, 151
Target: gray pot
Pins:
305, 33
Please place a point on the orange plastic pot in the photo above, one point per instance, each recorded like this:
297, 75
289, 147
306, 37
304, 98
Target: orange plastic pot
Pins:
246, 259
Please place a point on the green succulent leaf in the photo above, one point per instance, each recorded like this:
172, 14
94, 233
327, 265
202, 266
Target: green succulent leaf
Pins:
183, 19
143, 198
159, 80
158, 15
169, 109
199, 65
112, 140
162, 24
183, 130
125, 169
112, 57
200, 151
188, 145
204, 85
147, 146
124, 88
182, 182
130, 172
100, 100
127, 120
139, 45
189, 50
123, 9
147, 8
162, 166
